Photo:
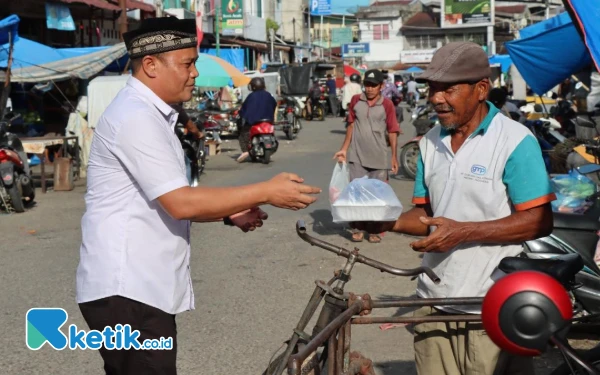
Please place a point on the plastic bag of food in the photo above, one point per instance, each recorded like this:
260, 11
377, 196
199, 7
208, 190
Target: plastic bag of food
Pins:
339, 180
574, 185
366, 199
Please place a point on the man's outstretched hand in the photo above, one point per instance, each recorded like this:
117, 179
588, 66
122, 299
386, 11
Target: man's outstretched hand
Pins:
287, 190
250, 219
448, 235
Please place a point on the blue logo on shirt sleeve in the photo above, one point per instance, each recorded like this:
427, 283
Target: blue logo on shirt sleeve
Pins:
478, 169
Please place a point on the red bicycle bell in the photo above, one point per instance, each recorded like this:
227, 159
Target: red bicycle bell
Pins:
523, 310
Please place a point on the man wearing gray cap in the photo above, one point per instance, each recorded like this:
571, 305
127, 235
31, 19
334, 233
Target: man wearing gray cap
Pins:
134, 270
481, 190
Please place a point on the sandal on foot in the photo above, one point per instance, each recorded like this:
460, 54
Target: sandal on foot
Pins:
374, 238
358, 236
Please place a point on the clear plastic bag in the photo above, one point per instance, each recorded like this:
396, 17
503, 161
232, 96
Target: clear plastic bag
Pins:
339, 180
571, 191
366, 199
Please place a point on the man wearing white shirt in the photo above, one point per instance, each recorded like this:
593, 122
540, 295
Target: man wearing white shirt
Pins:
135, 252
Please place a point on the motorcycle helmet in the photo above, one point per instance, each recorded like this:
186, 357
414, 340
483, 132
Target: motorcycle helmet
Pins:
522, 310
315, 80
256, 84
355, 78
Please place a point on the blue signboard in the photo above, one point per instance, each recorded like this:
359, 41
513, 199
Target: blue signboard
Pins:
58, 17
355, 49
320, 7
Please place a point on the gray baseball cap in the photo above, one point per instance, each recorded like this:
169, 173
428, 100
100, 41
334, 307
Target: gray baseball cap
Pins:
457, 62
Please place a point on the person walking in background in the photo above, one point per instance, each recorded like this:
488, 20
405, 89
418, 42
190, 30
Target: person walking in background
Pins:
332, 95
371, 137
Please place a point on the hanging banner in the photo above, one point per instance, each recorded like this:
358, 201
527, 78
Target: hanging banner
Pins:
467, 13
233, 17
58, 17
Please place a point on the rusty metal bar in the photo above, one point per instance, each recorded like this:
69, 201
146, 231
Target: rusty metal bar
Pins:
379, 304
347, 337
331, 355
422, 319
339, 358
301, 230
296, 360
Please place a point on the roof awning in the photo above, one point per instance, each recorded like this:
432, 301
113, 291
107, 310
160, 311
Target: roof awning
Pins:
103, 4
257, 45
95, 3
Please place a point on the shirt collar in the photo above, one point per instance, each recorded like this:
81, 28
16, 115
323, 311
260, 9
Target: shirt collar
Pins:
379, 101
483, 127
137, 85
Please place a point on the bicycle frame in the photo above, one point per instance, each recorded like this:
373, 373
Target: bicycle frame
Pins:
340, 311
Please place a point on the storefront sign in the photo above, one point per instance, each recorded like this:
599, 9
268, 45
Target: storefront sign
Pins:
233, 17
58, 17
467, 13
417, 56
355, 49
320, 7
342, 35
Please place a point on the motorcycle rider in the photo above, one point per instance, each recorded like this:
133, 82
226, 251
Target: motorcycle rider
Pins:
351, 88
314, 94
258, 106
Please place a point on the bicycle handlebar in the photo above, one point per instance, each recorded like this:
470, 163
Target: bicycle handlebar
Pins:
340, 251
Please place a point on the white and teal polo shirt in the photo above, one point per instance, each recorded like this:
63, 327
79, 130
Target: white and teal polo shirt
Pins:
497, 171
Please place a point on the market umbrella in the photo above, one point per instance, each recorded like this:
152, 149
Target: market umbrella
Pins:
216, 72
414, 69
585, 13
348, 70
541, 62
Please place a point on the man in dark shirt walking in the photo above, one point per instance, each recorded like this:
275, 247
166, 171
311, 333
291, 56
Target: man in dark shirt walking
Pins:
259, 105
332, 95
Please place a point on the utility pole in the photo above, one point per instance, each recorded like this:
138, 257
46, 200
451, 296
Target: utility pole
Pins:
272, 32
123, 19
547, 9
309, 38
159, 8
217, 28
294, 29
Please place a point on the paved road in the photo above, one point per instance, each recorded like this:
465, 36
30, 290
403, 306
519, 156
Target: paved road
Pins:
250, 288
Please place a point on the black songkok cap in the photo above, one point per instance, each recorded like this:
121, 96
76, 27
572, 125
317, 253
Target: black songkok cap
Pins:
158, 35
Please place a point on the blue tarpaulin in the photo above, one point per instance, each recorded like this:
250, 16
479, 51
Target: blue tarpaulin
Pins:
234, 56
586, 14
9, 24
551, 52
27, 53
503, 60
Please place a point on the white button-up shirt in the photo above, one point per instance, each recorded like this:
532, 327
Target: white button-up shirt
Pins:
131, 247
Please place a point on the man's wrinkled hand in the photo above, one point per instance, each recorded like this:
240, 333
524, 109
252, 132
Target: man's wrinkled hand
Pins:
287, 190
340, 156
373, 227
249, 220
448, 235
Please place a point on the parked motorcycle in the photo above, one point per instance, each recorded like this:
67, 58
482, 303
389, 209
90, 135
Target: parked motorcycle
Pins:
423, 119
195, 149
226, 118
263, 143
16, 187
575, 234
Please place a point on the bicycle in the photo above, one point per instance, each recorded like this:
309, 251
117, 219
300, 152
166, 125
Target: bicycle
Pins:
327, 349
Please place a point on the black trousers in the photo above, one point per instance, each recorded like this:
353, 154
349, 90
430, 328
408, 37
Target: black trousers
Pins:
152, 324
